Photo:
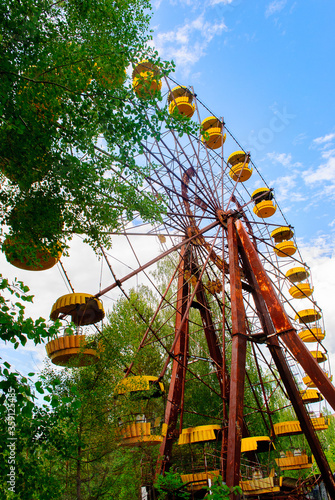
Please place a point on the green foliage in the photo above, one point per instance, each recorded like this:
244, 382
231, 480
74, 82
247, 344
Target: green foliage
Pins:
64, 88
27, 425
72, 434
64, 93
127, 324
327, 438
170, 487
17, 329
219, 490
68, 437
14, 326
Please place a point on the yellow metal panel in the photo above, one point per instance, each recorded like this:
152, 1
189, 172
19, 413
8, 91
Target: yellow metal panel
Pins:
291, 462
198, 480
320, 356
236, 175
307, 315
144, 66
43, 256
265, 209
211, 122
260, 486
261, 194
312, 335
141, 83
320, 423
282, 233
142, 440
311, 396
198, 434
71, 349
183, 105
215, 138
288, 428
256, 443
297, 274
180, 91
137, 383
84, 308
134, 429
293, 427
301, 291
285, 249
237, 157
138, 433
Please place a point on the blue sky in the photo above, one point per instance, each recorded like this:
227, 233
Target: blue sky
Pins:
267, 68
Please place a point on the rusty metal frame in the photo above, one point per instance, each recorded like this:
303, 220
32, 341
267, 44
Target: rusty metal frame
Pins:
179, 365
238, 359
282, 323
275, 322
274, 319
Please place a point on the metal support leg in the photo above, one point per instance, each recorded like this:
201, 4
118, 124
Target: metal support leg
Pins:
237, 375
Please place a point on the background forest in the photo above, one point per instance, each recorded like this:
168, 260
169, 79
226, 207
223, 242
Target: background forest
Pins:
68, 443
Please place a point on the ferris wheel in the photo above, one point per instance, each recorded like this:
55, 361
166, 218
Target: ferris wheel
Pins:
236, 324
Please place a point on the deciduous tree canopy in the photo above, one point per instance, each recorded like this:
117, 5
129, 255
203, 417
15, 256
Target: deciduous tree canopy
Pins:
65, 96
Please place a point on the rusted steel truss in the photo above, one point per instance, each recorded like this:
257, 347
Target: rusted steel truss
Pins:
179, 365
274, 321
238, 358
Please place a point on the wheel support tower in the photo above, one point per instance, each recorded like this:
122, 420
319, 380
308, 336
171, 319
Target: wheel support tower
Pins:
275, 323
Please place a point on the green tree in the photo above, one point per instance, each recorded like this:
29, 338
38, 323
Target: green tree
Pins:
64, 93
17, 329
70, 123
171, 487
14, 326
23, 447
68, 439
73, 435
327, 439
220, 491
71, 127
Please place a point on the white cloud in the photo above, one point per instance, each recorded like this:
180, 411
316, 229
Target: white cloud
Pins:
192, 3
186, 56
274, 7
325, 172
284, 159
320, 256
328, 153
188, 43
299, 139
284, 186
197, 3
322, 140
156, 4
224, 2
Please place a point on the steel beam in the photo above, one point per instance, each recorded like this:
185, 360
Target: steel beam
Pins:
301, 412
238, 358
179, 365
282, 323
213, 343
260, 294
